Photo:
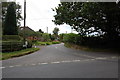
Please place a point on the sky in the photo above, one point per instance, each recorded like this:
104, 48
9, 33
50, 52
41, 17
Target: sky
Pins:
39, 15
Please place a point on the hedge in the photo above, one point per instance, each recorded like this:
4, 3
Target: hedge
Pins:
11, 38
71, 38
9, 46
55, 42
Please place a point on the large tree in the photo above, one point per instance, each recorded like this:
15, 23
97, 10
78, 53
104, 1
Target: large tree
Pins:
18, 13
10, 25
87, 18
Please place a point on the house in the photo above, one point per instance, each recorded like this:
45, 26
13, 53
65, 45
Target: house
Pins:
28, 33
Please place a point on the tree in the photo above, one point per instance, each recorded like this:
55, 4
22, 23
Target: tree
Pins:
55, 31
91, 17
41, 31
46, 37
10, 26
18, 13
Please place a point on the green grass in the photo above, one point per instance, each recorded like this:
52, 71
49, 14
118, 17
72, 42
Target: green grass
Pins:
17, 53
42, 43
45, 43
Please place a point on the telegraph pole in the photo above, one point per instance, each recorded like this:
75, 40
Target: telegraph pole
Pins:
66, 32
71, 30
24, 19
47, 29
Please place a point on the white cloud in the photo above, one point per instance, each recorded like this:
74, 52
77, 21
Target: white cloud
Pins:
39, 15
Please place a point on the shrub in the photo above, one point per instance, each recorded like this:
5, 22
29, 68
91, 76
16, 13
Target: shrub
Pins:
9, 46
48, 43
46, 37
29, 44
55, 42
71, 38
11, 38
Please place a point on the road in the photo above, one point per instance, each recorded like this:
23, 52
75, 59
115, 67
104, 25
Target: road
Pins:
57, 61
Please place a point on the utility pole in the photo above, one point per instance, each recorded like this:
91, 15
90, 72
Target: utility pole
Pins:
66, 32
47, 29
24, 19
71, 30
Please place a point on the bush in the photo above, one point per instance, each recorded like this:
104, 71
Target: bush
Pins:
55, 42
71, 38
9, 46
48, 43
29, 44
11, 38
46, 37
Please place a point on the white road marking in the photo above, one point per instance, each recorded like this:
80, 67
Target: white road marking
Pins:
55, 62
56, 47
33, 64
66, 61
2, 67
101, 58
11, 66
76, 60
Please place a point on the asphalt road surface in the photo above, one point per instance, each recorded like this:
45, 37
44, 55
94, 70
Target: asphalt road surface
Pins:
57, 61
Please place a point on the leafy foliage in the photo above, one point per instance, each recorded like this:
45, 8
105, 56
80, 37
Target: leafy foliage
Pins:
40, 30
18, 12
55, 32
46, 37
87, 18
10, 27
70, 38
9, 46
11, 38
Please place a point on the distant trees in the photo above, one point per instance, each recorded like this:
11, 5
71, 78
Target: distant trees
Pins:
55, 32
46, 37
41, 31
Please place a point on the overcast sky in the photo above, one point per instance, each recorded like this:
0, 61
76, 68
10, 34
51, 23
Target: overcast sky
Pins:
39, 15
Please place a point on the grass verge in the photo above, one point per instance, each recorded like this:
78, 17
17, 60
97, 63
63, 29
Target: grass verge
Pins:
17, 53
45, 43
90, 49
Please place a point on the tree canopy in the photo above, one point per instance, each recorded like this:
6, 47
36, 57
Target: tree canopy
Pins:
55, 31
10, 26
90, 17
18, 12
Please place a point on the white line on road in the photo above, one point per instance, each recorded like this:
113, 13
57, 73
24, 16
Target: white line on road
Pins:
43, 63
2, 67
66, 61
11, 66
33, 64
55, 62
101, 58
76, 60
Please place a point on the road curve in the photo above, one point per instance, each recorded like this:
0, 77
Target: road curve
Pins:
57, 61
